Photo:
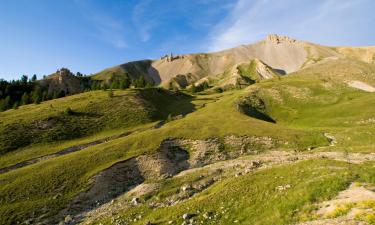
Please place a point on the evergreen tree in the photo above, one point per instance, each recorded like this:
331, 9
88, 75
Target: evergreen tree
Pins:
5, 103
2, 105
25, 99
148, 85
193, 88
37, 95
55, 95
205, 85
124, 82
61, 94
15, 105
110, 93
141, 82
24, 79
45, 96
104, 86
34, 78
115, 84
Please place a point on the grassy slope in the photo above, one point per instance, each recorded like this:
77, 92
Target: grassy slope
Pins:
303, 107
321, 101
253, 198
133, 69
93, 112
31, 189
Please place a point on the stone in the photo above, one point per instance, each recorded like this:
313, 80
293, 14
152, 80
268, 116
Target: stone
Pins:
68, 219
135, 201
57, 196
256, 163
187, 216
186, 187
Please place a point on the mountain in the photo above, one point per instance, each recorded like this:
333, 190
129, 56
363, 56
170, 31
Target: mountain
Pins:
277, 132
281, 53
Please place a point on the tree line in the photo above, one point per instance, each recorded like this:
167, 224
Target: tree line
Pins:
28, 90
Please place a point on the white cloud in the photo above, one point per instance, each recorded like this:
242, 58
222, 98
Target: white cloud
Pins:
324, 21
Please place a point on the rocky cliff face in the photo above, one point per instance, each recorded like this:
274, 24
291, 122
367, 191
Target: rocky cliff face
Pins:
62, 80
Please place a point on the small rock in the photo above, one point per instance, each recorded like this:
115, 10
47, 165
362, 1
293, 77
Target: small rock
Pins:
186, 187
256, 163
135, 201
68, 219
57, 196
187, 216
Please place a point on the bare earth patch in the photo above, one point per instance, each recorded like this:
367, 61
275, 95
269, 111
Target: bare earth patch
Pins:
361, 85
351, 206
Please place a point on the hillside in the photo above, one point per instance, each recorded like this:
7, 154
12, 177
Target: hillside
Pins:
281, 53
281, 132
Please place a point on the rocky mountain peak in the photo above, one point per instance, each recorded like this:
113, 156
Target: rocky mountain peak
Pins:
275, 38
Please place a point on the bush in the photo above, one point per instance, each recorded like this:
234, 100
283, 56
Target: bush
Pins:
68, 111
110, 93
169, 118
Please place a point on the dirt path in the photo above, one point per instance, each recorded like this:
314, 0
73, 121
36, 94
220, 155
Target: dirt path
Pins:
62, 152
271, 158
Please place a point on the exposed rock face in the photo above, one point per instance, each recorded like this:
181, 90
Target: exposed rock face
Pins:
62, 80
280, 38
281, 53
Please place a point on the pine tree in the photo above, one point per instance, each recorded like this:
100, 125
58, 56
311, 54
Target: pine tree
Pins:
110, 93
25, 99
193, 88
141, 82
205, 85
37, 95
122, 84
115, 84
148, 85
2, 105
61, 94
104, 86
55, 95
15, 105
33, 78
24, 79
45, 96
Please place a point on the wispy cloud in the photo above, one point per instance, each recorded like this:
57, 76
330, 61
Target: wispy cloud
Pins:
142, 22
108, 28
251, 20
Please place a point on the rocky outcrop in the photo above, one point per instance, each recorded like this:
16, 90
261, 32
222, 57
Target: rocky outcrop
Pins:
280, 39
62, 81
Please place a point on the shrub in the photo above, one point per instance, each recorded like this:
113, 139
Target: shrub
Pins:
68, 111
110, 93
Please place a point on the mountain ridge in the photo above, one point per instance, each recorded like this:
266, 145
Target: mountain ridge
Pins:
282, 53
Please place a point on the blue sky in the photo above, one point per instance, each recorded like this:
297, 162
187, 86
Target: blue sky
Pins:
40, 36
